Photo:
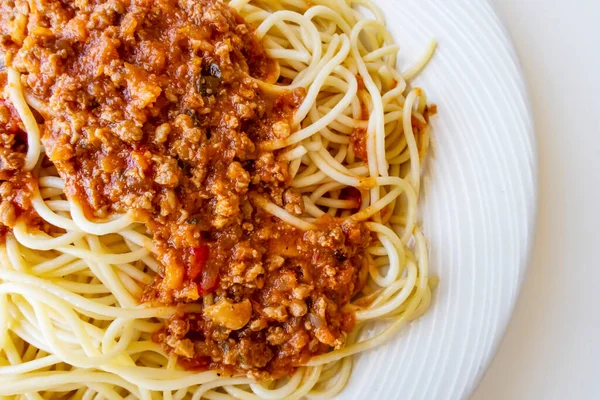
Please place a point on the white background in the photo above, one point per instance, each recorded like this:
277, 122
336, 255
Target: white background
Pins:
552, 346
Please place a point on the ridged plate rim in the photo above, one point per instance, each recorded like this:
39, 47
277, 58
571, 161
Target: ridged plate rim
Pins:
445, 354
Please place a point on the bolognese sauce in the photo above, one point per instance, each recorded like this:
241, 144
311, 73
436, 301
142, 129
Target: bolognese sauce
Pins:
153, 107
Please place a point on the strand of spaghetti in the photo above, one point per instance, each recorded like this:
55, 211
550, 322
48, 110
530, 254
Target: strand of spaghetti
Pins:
421, 63
316, 126
330, 100
335, 163
327, 13
63, 325
81, 288
105, 391
28, 336
201, 390
56, 340
422, 281
59, 348
316, 146
410, 138
48, 215
280, 213
344, 9
41, 240
241, 394
393, 99
294, 153
25, 308
392, 117
181, 393
104, 258
14, 358
376, 137
401, 158
146, 326
376, 251
146, 346
15, 93
58, 205
327, 30
289, 55
309, 168
109, 339
376, 207
37, 104
325, 132
139, 239
310, 28
381, 52
341, 377
47, 380
391, 236
346, 121
135, 274
69, 269
396, 148
281, 392
11, 352
106, 273
379, 296
295, 167
311, 376
324, 72
323, 189
29, 366
393, 267
290, 36
130, 285
51, 182
48, 193
375, 192
336, 125
311, 209
4, 318
329, 371
88, 393
334, 174
321, 178
99, 228
15, 257
336, 203
394, 303
151, 263
401, 187
31, 256
19, 283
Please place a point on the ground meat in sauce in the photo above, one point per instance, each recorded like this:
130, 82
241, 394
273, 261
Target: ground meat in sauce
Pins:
152, 108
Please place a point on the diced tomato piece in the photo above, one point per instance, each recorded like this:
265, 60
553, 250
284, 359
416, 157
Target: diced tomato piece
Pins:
210, 278
199, 269
197, 262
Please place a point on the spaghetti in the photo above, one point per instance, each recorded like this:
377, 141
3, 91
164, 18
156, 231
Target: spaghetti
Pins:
90, 296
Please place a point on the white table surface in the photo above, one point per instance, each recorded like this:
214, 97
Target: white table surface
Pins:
552, 346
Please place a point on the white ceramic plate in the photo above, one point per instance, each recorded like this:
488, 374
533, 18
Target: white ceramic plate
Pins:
478, 206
